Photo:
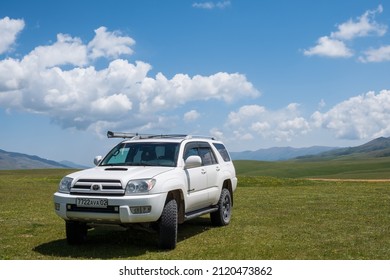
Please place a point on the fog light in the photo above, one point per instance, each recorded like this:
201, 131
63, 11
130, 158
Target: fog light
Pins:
140, 209
57, 206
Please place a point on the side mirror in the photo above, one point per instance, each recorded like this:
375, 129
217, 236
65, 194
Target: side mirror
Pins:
97, 160
192, 162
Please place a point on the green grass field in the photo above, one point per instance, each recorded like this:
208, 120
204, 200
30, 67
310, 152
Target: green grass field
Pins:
274, 217
339, 168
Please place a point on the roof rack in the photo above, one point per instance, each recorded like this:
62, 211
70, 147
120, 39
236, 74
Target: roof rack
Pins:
124, 135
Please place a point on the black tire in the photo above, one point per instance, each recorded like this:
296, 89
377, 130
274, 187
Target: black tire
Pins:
76, 232
223, 215
168, 226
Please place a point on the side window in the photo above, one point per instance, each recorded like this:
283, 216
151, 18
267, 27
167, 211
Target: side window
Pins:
191, 149
207, 156
222, 151
191, 152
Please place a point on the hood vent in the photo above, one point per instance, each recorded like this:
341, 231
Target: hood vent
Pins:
116, 169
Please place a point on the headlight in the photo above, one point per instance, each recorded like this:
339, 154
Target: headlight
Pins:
65, 184
139, 186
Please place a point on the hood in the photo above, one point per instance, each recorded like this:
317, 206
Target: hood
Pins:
123, 173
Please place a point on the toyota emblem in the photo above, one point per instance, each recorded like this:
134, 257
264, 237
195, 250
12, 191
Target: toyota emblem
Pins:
95, 187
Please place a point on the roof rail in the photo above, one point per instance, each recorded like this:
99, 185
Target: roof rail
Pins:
199, 136
111, 134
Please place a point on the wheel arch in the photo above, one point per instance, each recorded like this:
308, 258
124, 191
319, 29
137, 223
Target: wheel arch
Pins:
227, 184
179, 197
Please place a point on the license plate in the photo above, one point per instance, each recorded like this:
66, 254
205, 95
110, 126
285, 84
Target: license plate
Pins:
92, 202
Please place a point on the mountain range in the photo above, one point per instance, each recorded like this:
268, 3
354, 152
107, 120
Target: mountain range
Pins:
279, 153
12, 160
379, 147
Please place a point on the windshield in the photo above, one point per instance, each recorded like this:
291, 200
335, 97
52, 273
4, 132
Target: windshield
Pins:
142, 154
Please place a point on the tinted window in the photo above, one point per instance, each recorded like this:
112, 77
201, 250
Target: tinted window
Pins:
207, 156
201, 149
222, 151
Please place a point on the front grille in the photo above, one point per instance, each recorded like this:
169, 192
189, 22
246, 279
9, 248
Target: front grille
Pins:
97, 187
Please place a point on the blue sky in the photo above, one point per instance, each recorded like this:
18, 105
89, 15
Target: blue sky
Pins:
255, 74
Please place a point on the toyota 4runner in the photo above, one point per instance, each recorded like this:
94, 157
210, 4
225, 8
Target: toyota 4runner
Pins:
158, 181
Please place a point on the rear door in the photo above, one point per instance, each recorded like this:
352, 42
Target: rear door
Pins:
212, 169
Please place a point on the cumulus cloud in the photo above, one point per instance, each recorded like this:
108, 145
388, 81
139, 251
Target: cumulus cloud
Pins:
335, 45
66, 50
365, 25
163, 93
255, 120
60, 80
364, 116
376, 55
109, 44
327, 46
191, 116
360, 117
9, 29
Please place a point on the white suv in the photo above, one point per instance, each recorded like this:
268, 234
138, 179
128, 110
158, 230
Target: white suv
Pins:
157, 181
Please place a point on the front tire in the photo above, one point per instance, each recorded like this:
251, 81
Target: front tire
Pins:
168, 226
223, 215
76, 232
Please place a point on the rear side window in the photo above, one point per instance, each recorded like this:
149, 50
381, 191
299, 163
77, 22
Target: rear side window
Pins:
222, 151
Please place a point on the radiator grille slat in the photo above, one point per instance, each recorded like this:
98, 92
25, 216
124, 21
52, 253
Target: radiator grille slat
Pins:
98, 187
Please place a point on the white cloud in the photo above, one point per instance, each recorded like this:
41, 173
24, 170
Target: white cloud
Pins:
365, 25
335, 44
60, 81
360, 117
280, 125
376, 55
211, 5
329, 47
66, 50
118, 103
245, 113
109, 44
191, 116
163, 93
9, 29
217, 133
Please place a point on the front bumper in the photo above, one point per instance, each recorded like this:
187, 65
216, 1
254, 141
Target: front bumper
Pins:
120, 210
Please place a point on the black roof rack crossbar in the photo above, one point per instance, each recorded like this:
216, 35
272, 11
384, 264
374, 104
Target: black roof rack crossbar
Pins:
111, 134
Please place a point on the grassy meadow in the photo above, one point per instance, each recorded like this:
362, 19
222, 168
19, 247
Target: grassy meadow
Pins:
278, 214
338, 168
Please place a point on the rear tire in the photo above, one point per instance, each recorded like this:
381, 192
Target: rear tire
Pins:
168, 226
223, 215
76, 232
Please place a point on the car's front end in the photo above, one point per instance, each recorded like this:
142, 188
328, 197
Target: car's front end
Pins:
104, 195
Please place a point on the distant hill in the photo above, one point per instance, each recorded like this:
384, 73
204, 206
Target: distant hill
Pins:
11, 160
379, 147
73, 165
279, 153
